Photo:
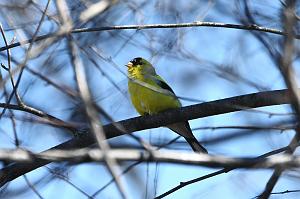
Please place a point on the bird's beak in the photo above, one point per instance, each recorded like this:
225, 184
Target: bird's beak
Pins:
129, 65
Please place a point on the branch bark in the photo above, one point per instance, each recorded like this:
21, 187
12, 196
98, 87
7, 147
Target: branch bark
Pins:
212, 108
167, 156
251, 27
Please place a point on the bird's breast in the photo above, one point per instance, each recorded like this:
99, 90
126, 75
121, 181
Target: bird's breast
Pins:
149, 101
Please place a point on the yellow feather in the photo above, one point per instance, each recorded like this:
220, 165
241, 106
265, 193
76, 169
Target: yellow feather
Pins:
149, 101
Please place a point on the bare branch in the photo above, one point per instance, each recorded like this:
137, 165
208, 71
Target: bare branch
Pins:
81, 81
93, 10
140, 123
251, 27
95, 125
57, 122
287, 71
196, 111
168, 156
31, 186
226, 170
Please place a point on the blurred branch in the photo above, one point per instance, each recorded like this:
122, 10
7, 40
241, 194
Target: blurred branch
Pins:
168, 156
251, 27
53, 120
217, 107
286, 67
96, 127
22, 66
213, 128
85, 95
59, 86
225, 170
94, 10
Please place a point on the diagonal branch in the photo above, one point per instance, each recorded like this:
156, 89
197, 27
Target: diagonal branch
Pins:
212, 108
84, 92
96, 127
225, 170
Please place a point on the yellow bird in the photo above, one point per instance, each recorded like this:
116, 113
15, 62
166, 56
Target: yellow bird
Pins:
150, 94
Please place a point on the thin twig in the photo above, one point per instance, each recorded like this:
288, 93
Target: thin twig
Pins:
57, 122
9, 68
251, 27
226, 170
23, 63
130, 167
31, 186
62, 177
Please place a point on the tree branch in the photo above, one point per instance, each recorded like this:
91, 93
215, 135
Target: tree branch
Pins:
167, 156
225, 170
251, 27
286, 67
212, 108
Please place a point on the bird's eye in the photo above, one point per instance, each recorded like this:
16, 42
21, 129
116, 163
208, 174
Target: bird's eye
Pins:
136, 61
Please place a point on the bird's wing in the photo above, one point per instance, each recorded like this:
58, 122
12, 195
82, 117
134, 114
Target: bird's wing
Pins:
182, 128
162, 84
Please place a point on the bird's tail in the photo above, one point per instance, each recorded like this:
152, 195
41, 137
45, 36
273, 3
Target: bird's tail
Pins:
183, 129
195, 145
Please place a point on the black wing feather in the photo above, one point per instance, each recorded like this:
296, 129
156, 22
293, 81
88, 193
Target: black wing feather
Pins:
164, 85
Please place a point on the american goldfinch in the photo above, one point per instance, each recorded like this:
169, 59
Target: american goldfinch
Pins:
150, 94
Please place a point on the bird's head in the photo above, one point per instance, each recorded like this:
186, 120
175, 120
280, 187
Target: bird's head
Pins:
139, 66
